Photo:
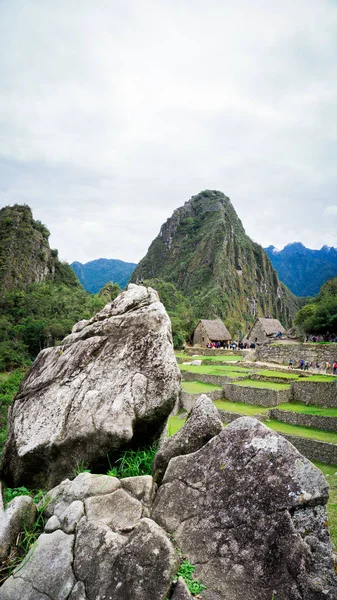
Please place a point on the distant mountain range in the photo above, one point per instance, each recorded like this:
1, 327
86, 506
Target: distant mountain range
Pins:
95, 274
304, 270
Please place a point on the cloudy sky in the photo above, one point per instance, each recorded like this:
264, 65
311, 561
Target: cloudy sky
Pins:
115, 112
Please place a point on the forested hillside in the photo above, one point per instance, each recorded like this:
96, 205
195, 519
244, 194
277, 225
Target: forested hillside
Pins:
95, 274
40, 297
319, 317
204, 251
304, 270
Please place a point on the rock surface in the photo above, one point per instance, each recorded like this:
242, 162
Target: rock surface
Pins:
181, 591
112, 382
249, 512
19, 513
201, 425
102, 546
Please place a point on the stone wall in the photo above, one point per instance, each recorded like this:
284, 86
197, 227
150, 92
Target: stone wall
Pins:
197, 350
214, 379
313, 449
294, 418
315, 392
251, 395
281, 353
187, 400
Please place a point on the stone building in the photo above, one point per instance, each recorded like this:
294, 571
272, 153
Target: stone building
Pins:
264, 330
210, 331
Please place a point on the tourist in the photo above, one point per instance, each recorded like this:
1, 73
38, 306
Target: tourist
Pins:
317, 366
335, 368
291, 363
306, 366
327, 367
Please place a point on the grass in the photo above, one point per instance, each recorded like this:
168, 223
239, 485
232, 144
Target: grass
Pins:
280, 374
310, 409
9, 385
199, 387
133, 463
240, 407
220, 358
305, 432
186, 570
222, 371
330, 472
271, 385
174, 424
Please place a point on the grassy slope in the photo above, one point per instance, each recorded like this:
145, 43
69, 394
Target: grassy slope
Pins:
223, 370
263, 384
220, 358
306, 432
240, 407
330, 472
329, 411
198, 387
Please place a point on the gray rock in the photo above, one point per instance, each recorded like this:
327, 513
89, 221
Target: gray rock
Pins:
249, 511
19, 513
78, 592
96, 549
118, 510
114, 380
201, 425
72, 516
181, 591
143, 488
145, 566
52, 524
47, 571
83, 486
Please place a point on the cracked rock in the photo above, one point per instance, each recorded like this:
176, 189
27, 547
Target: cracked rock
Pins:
78, 592
249, 512
114, 380
201, 425
118, 510
181, 591
19, 513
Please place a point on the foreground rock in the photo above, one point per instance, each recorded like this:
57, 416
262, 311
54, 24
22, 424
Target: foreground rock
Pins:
113, 381
249, 512
201, 425
99, 545
19, 514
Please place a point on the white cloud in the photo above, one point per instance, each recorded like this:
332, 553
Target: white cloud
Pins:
115, 113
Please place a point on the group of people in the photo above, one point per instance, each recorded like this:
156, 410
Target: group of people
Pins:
304, 365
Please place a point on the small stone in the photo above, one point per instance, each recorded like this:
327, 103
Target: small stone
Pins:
181, 591
52, 524
72, 516
118, 510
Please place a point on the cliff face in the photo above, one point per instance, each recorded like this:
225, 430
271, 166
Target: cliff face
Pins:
25, 255
204, 250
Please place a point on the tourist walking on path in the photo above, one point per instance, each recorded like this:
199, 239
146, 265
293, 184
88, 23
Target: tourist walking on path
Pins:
335, 368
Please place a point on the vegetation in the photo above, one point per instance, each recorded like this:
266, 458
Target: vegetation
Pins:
270, 385
241, 407
199, 387
223, 370
330, 472
309, 409
9, 386
133, 463
96, 274
306, 432
40, 316
175, 423
319, 317
186, 570
210, 359
204, 251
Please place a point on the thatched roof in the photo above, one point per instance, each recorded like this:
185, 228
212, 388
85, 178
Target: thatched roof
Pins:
271, 326
216, 330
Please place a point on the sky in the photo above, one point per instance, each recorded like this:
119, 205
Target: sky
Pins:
113, 113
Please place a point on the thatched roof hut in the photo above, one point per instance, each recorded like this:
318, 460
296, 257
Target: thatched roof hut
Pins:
210, 331
264, 329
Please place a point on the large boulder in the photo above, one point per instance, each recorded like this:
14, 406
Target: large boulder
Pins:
111, 383
201, 425
249, 512
17, 516
97, 544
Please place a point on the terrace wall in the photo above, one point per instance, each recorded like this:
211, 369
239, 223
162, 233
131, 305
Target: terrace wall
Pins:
315, 392
187, 400
313, 449
281, 353
198, 350
251, 395
295, 418
215, 379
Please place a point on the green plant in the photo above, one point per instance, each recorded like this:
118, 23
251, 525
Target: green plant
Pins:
186, 571
133, 463
80, 468
11, 493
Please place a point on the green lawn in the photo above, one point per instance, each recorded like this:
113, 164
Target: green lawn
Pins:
320, 378
330, 472
220, 358
330, 411
240, 407
280, 374
223, 370
174, 424
263, 384
198, 387
306, 432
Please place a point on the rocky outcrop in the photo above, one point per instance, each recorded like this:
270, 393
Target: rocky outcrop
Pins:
202, 424
19, 514
249, 511
112, 383
110, 550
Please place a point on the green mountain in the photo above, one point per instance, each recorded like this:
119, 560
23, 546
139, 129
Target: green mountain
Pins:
319, 317
95, 274
40, 297
304, 270
25, 255
204, 251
